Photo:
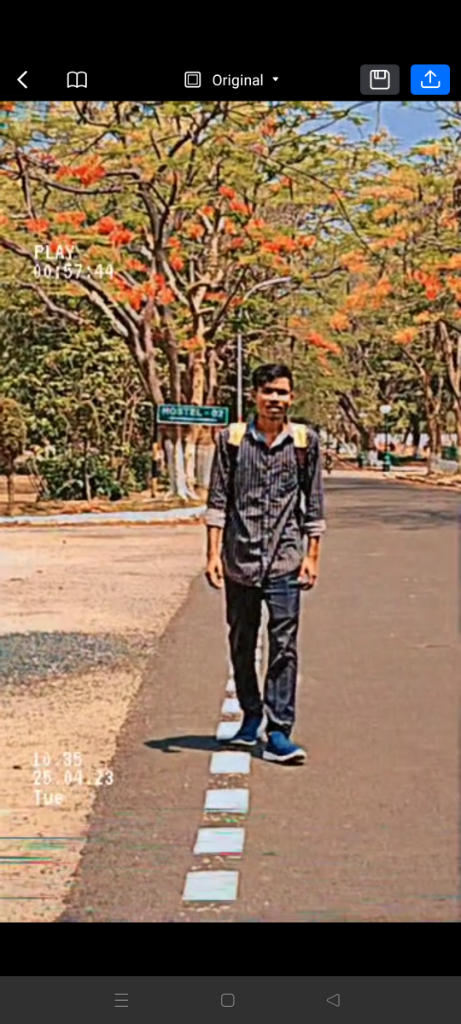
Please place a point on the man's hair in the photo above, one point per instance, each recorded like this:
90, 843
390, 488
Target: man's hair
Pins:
269, 372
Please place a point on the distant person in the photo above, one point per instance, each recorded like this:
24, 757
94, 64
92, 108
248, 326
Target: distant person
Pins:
263, 473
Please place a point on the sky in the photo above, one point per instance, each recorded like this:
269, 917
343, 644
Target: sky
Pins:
409, 125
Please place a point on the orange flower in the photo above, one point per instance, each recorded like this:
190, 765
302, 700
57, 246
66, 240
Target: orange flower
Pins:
255, 224
165, 296
455, 285
229, 226
121, 236
432, 284
136, 265
70, 217
307, 241
89, 173
64, 241
208, 211
237, 243
268, 128
454, 263
407, 335
135, 297
106, 225
320, 342
38, 224
226, 191
195, 230
64, 172
280, 244
434, 150
238, 206
339, 322
176, 262
194, 344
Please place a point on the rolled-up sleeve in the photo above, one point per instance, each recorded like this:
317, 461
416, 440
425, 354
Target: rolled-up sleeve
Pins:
219, 484
314, 514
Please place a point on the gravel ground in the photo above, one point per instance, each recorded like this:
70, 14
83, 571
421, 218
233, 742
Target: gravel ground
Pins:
81, 610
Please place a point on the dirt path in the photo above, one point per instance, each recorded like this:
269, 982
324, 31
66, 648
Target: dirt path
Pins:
81, 610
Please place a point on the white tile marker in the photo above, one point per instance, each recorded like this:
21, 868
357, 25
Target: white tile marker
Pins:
234, 801
220, 840
230, 763
226, 730
231, 706
211, 886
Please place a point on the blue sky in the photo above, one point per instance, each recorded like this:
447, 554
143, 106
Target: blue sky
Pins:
409, 125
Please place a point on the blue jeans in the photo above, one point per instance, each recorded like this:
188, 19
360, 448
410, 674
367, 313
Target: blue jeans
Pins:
243, 608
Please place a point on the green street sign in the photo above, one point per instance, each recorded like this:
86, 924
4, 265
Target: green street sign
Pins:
209, 415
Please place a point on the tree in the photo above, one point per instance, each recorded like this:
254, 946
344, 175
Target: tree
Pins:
12, 441
159, 206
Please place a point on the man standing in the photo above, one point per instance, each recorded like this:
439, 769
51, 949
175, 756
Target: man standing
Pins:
256, 524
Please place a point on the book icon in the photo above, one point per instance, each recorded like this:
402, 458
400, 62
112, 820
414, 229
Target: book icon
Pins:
76, 79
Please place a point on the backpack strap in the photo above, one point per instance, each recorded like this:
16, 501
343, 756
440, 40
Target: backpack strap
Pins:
236, 432
301, 441
301, 435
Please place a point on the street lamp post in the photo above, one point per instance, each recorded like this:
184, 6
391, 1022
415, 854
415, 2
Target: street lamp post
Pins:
262, 284
239, 376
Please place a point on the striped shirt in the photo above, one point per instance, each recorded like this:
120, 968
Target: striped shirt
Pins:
266, 519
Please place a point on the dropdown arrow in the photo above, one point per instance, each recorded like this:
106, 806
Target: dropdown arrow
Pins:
275, 79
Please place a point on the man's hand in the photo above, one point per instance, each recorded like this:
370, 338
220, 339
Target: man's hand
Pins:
309, 571
214, 571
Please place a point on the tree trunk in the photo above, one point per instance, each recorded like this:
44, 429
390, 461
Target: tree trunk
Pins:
458, 432
197, 371
175, 463
432, 430
190, 462
86, 479
205, 452
10, 492
415, 428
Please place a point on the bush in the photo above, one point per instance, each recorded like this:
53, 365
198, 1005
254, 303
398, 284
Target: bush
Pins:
140, 464
62, 477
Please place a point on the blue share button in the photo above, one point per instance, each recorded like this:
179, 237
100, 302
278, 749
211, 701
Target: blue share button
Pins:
430, 79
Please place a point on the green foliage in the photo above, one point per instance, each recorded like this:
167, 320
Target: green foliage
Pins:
63, 477
12, 433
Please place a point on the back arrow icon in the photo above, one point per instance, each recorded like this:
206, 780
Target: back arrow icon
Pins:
334, 999
20, 80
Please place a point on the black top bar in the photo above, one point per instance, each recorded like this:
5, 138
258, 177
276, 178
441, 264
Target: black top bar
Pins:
316, 78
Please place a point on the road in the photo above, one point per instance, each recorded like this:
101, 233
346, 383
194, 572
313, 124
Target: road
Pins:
368, 828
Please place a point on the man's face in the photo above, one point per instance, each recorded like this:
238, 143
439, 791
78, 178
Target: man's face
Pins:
273, 399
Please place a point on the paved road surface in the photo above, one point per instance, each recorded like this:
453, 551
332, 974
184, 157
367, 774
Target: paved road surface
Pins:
368, 829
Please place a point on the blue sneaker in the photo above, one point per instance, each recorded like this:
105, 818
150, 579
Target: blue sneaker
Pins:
252, 729
280, 748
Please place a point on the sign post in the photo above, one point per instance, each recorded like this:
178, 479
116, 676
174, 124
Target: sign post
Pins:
203, 415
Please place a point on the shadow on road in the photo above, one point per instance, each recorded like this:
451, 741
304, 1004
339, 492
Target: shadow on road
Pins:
391, 515
175, 744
